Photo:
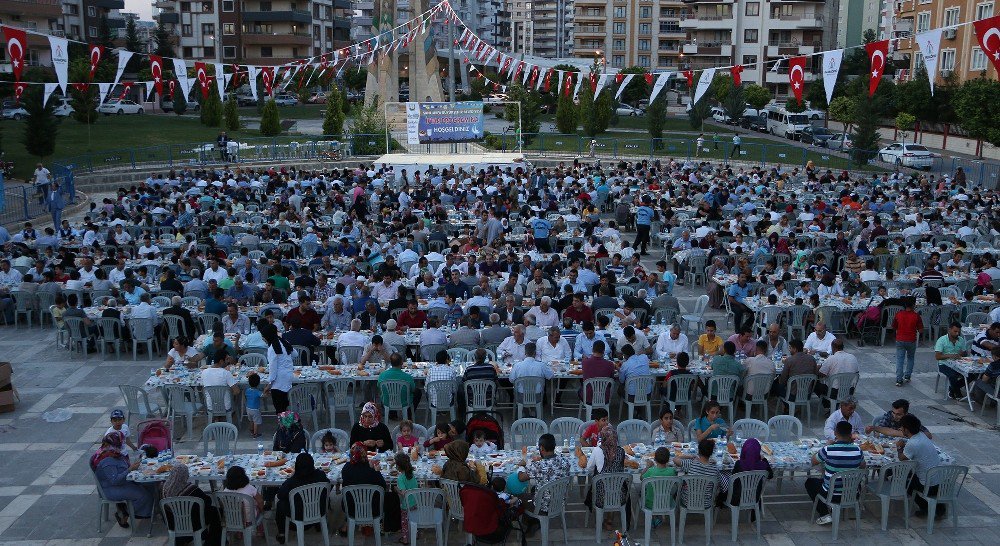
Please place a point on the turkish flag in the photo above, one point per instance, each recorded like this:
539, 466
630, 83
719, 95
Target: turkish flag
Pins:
619, 78
95, 57
323, 62
17, 43
127, 88
568, 84
689, 76
649, 78
533, 77
988, 33
171, 85
237, 76
797, 76
737, 73
202, 75
19, 88
593, 82
518, 71
267, 73
506, 65
547, 83
156, 69
81, 87
877, 53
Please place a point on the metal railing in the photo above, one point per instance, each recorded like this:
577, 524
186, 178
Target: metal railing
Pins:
25, 202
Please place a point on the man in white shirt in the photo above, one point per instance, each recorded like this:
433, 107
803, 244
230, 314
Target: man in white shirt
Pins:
219, 376
432, 335
121, 236
584, 344
88, 273
545, 315
840, 361
529, 366
511, 350
353, 337
553, 347
478, 300
672, 342
148, 248
214, 272
845, 413
635, 338
869, 274
820, 341
386, 290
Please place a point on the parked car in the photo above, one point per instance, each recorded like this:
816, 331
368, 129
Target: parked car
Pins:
755, 122
907, 155
494, 98
64, 108
814, 114
245, 99
285, 99
355, 96
815, 135
119, 106
718, 114
317, 97
839, 141
13, 111
626, 110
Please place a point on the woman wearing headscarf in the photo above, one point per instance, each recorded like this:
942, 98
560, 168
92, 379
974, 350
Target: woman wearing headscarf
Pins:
456, 468
179, 484
751, 460
712, 288
371, 431
609, 458
305, 473
280, 363
111, 466
289, 438
358, 471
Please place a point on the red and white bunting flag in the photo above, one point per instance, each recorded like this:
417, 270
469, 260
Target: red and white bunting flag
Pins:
156, 70
126, 87
201, 73
877, 53
689, 76
568, 84
797, 76
648, 76
548, 80
19, 88
172, 86
737, 73
988, 34
267, 73
17, 45
518, 70
96, 51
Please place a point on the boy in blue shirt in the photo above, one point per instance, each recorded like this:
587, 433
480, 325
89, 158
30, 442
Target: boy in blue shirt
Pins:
252, 396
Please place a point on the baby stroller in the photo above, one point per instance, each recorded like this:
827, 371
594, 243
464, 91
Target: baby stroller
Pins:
487, 517
158, 433
490, 423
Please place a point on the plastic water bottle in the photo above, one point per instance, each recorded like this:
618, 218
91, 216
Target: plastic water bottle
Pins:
260, 448
566, 444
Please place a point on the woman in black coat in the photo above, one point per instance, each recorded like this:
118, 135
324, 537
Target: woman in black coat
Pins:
371, 431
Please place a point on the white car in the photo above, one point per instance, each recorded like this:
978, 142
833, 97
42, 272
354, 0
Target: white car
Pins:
626, 110
118, 106
63, 109
495, 98
718, 114
814, 115
839, 141
13, 112
286, 99
907, 155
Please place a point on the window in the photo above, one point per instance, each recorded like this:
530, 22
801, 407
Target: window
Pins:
665, 61
266, 52
617, 60
643, 45
984, 10
947, 59
207, 7
951, 17
644, 60
188, 52
209, 51
619, 12
228, 52
92, 11
749, 60
295, 52
91, 31
208, 29
229, 5
265, 6
593, 12
618, 28
918, 61
185, 6
228, 29
186, 30
750, 36
978, 61
645, 12
618, 44
645, 28
668, 12
723, 11
923, 21
72, 9
670, 26
753, 9
74, 30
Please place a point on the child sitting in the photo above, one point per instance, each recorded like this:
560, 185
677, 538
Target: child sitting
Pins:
661, 461
481, 446
499, 485
440, 438
118, 424
406, 437
329, 443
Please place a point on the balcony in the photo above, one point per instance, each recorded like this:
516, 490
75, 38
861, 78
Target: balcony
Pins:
590, 31
778, 49
39, 9
277, 38
169, 18
795, 21
163, 4
108, 4
584, 17
291, 16
708, 22
715, 49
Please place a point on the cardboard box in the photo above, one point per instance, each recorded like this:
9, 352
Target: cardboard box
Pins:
8, 398
5, 374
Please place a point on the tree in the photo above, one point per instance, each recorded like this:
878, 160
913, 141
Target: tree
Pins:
735, 103
637, 89
132, 41
270, 122
211, 110
816, 95
756, 96
793, 106
40, 127
977, 110
915, 98
844, 109
904, 124
525, 120
594, 114
866, 135
699, 112
179, 101
164, 41
355, 80
720, 87
655, 120
566, 115
367, 132
333, 117
104, 34
84, 102
231, 115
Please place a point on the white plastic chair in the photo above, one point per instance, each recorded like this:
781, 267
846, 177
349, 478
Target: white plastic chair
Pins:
643, 387
750, 483
307, 399
107, 507
525, 432
756, 389
137, 403
392, 398
234, 507
340, 395
455, 510
698, 497
342, 437
798, 392
633, 431
441, 396
555, 491
665, 492
723, 388
182, 401
360, 498
220, 438
181, 510
949, 480
890, 484
529, 393
428, 512
480, 395
312, 498
566, 428
851, 482
601, 389
751, 428
682, 387
614, 486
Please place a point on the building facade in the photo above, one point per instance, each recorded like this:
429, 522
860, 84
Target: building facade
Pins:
552, 28
630, 33
959, 54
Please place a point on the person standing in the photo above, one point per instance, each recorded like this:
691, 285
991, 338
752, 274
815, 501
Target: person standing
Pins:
280, 363
736, 146
42, 180
55, 203
906, 325
643, 221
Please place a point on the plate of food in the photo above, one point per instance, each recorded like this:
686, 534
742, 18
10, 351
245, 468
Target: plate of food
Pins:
185, 459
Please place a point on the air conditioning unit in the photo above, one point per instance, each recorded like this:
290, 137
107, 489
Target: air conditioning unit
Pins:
946, 73
949, 33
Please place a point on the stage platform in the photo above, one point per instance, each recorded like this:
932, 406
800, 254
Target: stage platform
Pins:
468, 161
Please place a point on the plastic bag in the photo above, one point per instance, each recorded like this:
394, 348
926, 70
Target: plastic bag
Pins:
57, 415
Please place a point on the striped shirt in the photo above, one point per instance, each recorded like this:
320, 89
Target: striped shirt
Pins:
838, 457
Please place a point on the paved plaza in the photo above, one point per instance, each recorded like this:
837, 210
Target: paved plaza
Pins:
48, 496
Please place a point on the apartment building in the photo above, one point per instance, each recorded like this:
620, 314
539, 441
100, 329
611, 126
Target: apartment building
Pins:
522, 27
552, 28
753, 33
624, 33
82, 18
39, 15
959, 53
265, 32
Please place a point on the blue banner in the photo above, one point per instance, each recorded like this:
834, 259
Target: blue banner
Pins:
444, 122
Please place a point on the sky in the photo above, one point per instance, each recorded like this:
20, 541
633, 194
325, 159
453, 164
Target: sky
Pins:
143, 7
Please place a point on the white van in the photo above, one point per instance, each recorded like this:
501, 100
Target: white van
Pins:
784, 123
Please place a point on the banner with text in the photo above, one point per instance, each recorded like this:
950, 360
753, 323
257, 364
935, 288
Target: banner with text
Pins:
430, 122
